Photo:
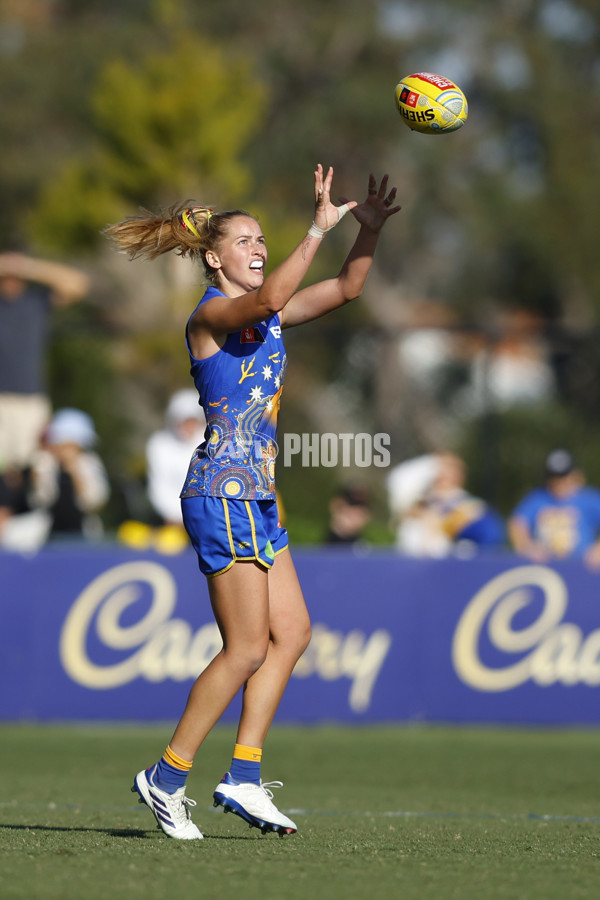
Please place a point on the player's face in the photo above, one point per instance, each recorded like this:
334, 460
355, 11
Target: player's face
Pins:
242, 255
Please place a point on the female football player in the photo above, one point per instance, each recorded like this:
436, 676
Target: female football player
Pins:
234, 340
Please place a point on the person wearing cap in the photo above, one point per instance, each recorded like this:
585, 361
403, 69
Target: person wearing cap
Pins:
68, 477
168, 454
559, 519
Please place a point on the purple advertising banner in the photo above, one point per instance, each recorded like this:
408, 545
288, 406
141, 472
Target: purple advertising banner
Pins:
108, 634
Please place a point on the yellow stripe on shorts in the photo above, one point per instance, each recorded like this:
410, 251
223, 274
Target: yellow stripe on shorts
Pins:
252, 526
228, 524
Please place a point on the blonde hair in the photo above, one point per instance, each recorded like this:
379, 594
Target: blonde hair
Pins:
187, 229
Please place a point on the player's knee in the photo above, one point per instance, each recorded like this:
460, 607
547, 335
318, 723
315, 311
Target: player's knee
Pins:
300, 641
254, 657
247, 657
304, 638
255, 663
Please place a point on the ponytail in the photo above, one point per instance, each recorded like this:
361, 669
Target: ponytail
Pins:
188, 230
183, 228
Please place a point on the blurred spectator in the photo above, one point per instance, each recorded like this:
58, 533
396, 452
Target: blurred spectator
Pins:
28, 289
14, 505
168, 454
427, 347
560, 519
13, 492
68, 479
349, 514
60, 494
433, 514
514, 370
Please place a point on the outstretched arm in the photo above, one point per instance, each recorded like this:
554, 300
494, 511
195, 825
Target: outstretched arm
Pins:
67, 284
319, 299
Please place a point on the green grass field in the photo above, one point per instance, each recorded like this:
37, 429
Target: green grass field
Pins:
415, 812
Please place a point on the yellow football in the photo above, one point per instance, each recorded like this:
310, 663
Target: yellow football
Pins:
431, 103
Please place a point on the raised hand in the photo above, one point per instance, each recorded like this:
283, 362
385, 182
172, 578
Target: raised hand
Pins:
327, 214
377, 208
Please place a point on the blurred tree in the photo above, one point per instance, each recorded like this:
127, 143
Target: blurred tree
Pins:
157, 141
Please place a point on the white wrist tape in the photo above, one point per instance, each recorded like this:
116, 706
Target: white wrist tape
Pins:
317, 232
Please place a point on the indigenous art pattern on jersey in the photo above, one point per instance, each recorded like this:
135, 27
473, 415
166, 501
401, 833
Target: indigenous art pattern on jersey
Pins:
240, 390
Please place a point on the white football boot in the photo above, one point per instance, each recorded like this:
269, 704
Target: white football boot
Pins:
253, 803
172, 811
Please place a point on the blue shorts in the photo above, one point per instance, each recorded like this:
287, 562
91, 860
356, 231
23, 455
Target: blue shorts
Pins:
224, 531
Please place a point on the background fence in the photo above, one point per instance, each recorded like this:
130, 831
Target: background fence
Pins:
107, 634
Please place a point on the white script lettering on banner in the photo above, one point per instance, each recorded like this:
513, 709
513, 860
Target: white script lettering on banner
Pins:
549, 650
163, 647
157, 647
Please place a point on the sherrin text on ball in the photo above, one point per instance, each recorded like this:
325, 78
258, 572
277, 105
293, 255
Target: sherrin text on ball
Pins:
431, 104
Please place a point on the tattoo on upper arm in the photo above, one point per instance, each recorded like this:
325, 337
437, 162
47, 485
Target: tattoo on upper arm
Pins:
305, 244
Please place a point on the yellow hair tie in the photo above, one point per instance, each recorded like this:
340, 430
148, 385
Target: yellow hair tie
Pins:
188, 219
187, 223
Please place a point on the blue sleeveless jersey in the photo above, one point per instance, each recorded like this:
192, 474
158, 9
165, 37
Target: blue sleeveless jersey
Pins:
240, 389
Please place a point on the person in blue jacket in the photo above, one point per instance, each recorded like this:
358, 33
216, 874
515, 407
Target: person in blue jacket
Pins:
559, 519
237, 357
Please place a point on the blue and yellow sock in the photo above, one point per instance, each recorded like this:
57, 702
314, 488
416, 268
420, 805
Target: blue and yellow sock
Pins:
245, 765
171, 772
